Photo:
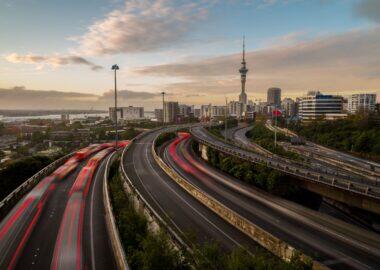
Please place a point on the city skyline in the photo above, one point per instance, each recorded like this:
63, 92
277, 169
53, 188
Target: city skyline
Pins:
176, 48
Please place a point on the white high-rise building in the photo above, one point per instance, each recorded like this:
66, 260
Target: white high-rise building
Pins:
235, 109
361, 102
315, 105
127, 113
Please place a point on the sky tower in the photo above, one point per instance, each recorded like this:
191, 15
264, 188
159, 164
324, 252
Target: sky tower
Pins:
243, 73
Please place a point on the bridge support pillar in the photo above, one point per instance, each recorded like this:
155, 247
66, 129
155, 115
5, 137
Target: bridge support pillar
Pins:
203, 150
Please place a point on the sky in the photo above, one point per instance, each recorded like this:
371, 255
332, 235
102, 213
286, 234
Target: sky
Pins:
58, 54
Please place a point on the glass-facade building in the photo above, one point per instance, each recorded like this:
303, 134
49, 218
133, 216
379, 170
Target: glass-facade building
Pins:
316, 105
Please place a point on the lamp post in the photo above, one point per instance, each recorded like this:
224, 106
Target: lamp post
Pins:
115, 68
163, 108
225, 121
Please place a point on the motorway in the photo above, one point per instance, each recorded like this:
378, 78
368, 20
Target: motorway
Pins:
337, 244
38, 250
366, 167
182, 212
239, 137
362, 186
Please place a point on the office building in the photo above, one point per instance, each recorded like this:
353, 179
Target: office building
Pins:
171, 111
127, 113
235, 109
158, 115
316, 105
197, 113
274, 96
184, 110
205, 111
218, 112
288, 105
361, 103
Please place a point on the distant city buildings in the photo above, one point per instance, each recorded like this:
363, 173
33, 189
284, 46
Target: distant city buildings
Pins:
316, 105
288, 106
218, 112
205, 111
361, 102
127, 113
235, 109
158, 115
197, 113
274, 96
171, 111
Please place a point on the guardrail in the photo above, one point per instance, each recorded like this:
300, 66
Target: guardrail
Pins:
289, 168
259, 235
113, 232
374, 176
248, 145
10, 201
150, 213
372, 169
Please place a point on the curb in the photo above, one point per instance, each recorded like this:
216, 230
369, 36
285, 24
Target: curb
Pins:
112, 230
262, 237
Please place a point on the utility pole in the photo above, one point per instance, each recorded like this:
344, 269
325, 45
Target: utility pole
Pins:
225, 121
275, 127
163, 108
115, 68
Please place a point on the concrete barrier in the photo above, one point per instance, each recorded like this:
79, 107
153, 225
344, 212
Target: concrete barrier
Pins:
155, 221
262, 237
357, 188
11, 200
113, 232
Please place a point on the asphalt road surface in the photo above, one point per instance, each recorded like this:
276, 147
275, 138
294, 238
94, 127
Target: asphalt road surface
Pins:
335, 243
183, 213
38, 252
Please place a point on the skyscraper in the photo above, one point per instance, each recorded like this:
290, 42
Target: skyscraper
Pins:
243, 74
171, 111
274, 96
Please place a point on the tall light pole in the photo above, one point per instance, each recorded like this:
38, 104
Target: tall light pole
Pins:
115, 68
225, 121
163, 108
275, 126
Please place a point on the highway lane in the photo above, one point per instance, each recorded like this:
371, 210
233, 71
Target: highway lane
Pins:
336, 243
97, 247
39, 249
240, 137
38, 252
182, 212
364, 187
366, 166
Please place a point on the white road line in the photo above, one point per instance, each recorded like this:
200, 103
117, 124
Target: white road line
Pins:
93, 265
195, 210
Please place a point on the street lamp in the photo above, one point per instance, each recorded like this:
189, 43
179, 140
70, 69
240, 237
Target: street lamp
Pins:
225, 121
115, 68
163, 107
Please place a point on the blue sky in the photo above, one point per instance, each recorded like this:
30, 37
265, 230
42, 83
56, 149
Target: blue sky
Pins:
192, 49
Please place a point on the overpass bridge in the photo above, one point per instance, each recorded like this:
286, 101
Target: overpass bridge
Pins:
361, 193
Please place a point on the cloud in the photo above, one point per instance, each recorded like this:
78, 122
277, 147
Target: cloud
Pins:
19, 97
141, 26
346, 62
369, 9
54, 60
129, 95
